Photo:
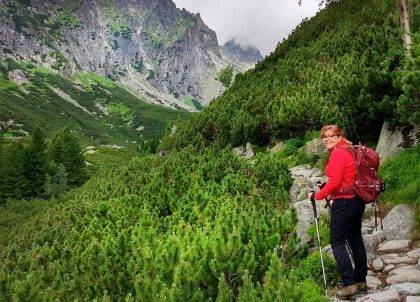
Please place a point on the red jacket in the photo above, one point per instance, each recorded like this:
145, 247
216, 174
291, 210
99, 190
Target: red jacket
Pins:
341, 172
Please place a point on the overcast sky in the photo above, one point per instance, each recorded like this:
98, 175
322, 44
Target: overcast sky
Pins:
260, 23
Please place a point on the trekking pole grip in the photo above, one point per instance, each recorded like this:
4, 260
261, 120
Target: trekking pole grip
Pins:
314, 205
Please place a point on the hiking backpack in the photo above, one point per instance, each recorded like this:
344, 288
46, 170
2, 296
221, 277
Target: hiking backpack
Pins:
368, 185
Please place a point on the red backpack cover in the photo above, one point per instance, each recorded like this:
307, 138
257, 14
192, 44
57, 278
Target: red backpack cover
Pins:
368, 184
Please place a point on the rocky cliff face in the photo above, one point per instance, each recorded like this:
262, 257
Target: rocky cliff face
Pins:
162, 53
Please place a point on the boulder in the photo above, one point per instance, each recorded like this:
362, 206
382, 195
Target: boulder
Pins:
394, 139
306, 217
373, 282
412, 299
239, 151
394, 246
414, 253
315, 147
300, 189
401, 269
397, 259
390, 295
410, 275
378, 264
371, 241
408, 288
248, 151
277, 148
244, 152
301, 171
18, 76
399, 223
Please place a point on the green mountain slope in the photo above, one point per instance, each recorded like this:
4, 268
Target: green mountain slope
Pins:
200, 224
343, 66
97, 109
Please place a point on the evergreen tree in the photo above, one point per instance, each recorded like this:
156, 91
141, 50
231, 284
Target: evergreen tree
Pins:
65, 149
35, 164
13, 182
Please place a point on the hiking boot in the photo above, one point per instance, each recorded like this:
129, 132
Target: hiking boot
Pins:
362, 286
347, 291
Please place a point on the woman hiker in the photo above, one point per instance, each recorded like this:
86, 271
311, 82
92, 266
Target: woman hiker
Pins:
346, 212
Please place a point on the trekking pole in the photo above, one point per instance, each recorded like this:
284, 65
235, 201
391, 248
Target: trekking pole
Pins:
319, 243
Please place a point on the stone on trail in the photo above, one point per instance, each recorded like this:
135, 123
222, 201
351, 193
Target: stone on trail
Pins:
371, 241
394, 246
373, 282
378, 264
396, 259
405, 276
407, 288
414, 253
385, 296
402, 269
412, 299
398, 224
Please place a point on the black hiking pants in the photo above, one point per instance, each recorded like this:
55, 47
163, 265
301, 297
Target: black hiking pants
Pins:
346, 227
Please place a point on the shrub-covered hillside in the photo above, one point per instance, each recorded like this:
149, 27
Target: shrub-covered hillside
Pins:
181, 227
97, 109
346, 65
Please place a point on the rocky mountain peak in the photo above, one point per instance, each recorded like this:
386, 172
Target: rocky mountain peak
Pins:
245, 54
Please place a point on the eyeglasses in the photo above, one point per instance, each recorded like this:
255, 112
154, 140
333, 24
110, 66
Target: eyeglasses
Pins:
329, 136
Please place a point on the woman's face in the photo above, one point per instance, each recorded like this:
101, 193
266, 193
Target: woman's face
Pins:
330, 139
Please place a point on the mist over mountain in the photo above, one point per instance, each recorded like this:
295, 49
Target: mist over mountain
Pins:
236, 51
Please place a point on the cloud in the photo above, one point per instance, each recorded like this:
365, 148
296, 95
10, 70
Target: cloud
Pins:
258, 23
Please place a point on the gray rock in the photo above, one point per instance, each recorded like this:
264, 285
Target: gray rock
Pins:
277, 148
18, 76
366, 230
378, 264
373, 282
398, 224
408, 288
389, 268
414, 253
244, 152
305, 215
317, 173
371, 241
412, 299
328, 250
392, 140
397, 259
315, 147
300, 189
239, 151
383, 296
301, 171
405, 276
401, 269
248, 151
394, 246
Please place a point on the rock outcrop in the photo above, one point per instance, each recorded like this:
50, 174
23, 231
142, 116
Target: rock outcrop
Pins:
394, 139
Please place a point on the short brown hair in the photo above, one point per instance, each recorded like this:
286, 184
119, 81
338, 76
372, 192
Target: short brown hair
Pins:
337, 130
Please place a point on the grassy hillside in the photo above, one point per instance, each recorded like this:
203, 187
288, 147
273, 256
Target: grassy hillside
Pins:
97, 109
345, 66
